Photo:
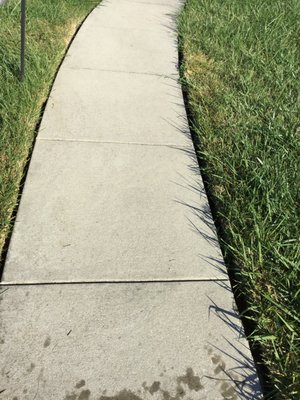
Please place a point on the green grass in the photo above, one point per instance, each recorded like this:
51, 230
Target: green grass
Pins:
241, 71
50, 26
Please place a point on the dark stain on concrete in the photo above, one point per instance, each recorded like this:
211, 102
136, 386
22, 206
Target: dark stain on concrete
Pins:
220, 367
30, 368
180, 391
192, 381
215, 359
179, 394
123, 395
220, 364
166, 396
71, 397
228, 391
47, 341
84, 395
154, 387
80, 384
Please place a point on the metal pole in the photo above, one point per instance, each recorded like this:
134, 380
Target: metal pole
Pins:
23, 35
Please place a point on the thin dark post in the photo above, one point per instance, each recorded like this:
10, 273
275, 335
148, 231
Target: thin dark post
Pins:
23, 35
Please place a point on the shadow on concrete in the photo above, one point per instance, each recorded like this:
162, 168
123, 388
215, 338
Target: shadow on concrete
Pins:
244, 377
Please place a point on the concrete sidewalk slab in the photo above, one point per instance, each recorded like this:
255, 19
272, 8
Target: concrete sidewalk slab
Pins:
146, 16
116, 107
176, 4
176, 341
107, 212
137, 51
148, 45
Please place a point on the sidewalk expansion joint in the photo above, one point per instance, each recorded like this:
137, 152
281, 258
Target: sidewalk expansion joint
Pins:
173, 76
177, 146
146, 3
4, 284
120, 28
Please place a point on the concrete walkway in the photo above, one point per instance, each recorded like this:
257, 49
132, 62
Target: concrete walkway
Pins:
114, 286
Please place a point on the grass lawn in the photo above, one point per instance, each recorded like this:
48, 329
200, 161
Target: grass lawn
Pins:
50, 27
240, 69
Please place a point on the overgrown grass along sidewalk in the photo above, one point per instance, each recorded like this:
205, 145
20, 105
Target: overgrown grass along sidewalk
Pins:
241, 71
50, 27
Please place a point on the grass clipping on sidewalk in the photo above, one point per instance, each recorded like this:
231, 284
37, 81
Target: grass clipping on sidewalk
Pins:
241, 71
50, 27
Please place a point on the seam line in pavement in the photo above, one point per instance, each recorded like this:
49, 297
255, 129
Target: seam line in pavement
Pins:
168, 76
128, 29
113, 282
112, 142
146, 3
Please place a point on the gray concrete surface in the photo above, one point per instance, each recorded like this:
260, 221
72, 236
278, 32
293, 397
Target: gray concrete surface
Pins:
151, 341
147, 109
106, 212
131, 37
114, 286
